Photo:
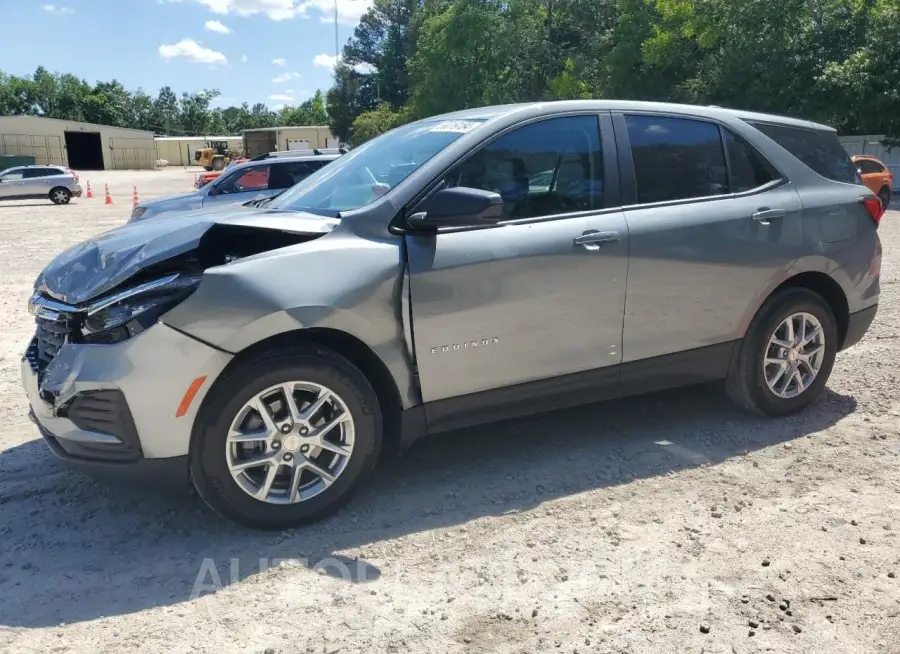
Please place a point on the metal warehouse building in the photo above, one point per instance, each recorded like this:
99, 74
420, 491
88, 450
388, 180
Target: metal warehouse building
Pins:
80, 146
264, 139
179, 150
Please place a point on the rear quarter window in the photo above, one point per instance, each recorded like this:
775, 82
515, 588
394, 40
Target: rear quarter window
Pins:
869, 167
820, 150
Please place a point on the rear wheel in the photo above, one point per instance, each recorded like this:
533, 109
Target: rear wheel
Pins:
885, 196
786, 356
60, 195
286, 438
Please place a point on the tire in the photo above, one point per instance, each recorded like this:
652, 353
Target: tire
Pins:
747, 383
210, 454
60, 195
885, 196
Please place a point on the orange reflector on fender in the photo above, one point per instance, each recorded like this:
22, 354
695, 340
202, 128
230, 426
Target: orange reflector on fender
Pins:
189, 396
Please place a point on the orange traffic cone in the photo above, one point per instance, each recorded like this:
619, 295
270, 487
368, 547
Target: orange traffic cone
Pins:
106, 191
90, 193
134, 198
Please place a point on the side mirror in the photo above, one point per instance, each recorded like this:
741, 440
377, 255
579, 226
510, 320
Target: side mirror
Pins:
458, 207
211, 189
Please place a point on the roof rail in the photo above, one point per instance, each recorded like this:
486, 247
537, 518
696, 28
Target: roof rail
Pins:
300, 153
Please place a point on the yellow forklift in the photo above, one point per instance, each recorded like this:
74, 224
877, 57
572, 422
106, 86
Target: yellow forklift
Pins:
213, 157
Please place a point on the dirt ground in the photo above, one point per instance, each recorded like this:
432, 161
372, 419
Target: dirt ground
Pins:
670, 523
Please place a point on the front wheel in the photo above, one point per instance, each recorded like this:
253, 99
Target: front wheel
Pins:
286, 438
786, 356
60, 195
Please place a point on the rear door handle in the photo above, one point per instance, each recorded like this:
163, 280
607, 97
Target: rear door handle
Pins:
593, 239
765, 215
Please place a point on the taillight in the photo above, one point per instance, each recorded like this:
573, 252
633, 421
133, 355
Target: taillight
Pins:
74, 174
874, 207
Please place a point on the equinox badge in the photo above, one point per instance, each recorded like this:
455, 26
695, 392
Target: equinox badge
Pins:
467, 345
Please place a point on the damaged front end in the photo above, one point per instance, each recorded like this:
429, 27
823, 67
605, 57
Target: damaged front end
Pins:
108, 290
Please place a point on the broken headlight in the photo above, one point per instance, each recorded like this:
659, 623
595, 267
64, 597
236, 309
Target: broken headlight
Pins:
127, 313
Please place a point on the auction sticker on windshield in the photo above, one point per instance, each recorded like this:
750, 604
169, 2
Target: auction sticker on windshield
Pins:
457, 126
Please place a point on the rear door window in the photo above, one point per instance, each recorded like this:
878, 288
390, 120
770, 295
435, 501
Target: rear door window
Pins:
818, 149
676, 158
286, 174
31, 173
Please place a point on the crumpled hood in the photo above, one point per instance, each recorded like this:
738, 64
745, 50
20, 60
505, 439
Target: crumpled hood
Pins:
101, 263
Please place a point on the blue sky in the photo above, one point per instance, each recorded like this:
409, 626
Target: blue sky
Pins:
273, 51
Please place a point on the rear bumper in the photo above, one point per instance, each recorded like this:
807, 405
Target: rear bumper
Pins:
858, 325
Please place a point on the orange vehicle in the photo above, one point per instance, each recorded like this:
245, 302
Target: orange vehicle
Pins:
876, 176
205, 178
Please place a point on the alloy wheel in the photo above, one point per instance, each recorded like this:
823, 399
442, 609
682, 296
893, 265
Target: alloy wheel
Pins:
794, 355
290, 442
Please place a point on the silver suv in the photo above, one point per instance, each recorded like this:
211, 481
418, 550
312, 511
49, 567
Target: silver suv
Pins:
461, 269
55, 183
252, 181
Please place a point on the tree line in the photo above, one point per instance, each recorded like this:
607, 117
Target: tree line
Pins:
832, 61
67, 97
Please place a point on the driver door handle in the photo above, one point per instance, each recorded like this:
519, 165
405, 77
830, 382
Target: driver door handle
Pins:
593, 239
765, 215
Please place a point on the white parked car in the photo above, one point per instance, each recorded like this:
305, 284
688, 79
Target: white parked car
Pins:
56, 183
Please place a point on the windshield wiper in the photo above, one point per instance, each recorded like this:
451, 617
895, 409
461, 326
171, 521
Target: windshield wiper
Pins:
262, 202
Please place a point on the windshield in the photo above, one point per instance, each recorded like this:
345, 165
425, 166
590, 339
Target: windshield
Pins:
371, 170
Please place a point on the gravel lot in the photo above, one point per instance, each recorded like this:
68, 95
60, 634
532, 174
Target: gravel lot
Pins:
670, 523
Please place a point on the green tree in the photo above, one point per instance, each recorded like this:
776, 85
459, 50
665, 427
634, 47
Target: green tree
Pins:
352, 94
567, 86
375, 122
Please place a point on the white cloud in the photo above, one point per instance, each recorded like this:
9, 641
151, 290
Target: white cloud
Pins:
281, 97
348, 11
192, 51
279, 62
274, 9
325, 60
56, 9
244, 59
216, 26
330, 61
289, 91
286, 77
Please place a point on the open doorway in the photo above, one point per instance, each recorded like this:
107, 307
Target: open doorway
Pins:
84, 150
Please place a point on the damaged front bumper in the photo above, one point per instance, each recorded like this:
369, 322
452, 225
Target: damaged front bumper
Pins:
116, 405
